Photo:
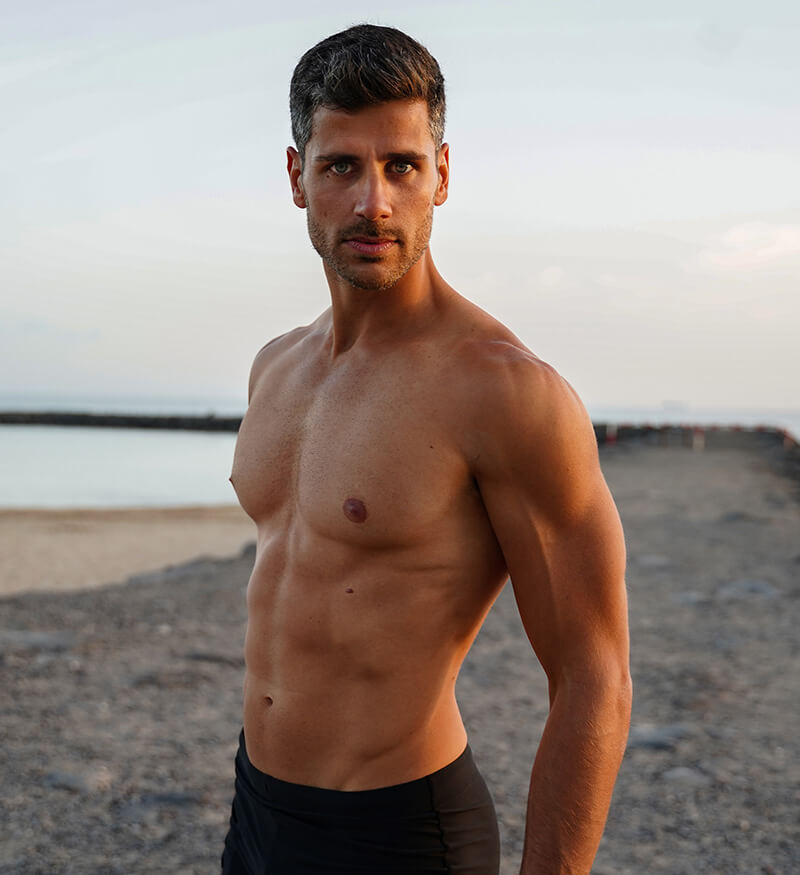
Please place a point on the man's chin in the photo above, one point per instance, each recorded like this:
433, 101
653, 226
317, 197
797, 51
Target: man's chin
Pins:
372, 273
370, 280
368, 284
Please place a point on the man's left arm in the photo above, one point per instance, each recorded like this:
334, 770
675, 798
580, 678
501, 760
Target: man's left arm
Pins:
558, 528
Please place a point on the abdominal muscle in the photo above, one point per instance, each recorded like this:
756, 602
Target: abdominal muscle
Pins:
350, 675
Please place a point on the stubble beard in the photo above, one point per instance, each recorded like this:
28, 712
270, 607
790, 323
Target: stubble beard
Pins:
410, 252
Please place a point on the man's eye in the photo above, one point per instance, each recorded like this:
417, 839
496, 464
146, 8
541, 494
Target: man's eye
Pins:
340, 167
402, 167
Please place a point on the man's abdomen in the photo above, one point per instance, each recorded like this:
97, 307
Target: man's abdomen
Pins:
352, 658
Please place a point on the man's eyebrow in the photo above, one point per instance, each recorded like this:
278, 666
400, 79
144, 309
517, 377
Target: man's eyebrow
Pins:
332, 158
389, 156
406, 156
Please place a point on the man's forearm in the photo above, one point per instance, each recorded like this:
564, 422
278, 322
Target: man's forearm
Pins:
573, 777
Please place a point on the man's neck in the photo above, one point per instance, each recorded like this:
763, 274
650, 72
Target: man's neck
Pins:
386, 315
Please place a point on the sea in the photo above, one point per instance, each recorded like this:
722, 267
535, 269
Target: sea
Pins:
83, 467
44, 466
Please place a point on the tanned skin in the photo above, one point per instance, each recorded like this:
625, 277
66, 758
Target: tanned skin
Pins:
401, 457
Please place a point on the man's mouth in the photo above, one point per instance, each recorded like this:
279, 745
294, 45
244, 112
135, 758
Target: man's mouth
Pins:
371, 245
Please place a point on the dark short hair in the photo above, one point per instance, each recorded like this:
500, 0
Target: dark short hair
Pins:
362, 66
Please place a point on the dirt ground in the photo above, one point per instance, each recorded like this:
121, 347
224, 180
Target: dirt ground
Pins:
121, 704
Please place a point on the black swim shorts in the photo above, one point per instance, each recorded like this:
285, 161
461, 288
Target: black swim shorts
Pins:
444, 823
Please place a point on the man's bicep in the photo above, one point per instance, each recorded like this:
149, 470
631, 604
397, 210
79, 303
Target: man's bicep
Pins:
568, 577
557, 526
537, 467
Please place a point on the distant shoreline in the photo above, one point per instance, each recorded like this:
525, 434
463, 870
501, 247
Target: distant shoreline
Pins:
209, 422
696, 435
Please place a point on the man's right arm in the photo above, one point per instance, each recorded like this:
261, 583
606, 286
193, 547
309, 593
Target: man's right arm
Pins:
539, 476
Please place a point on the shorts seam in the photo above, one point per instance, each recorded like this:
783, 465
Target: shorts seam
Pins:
435, 808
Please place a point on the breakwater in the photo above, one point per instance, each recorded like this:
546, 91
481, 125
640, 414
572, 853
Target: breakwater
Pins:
697, 437
209, 422
777, 443
687, 435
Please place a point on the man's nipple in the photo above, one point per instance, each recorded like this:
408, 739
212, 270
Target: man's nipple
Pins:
355, 510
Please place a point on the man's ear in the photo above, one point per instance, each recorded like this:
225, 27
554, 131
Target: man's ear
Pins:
294, 165
443, 169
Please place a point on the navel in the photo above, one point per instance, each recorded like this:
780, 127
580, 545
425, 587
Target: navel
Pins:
355, 510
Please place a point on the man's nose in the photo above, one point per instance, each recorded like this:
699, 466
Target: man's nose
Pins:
373, 197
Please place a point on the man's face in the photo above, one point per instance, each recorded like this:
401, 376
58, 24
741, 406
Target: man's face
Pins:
369, 183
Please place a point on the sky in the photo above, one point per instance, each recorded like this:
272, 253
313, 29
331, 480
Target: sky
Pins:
625, 190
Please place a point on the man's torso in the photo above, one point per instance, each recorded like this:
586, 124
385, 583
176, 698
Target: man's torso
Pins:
376, 561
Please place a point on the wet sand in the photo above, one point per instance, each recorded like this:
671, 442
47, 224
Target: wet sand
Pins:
121, 704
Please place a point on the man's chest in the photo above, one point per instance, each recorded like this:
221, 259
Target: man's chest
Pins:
372, 461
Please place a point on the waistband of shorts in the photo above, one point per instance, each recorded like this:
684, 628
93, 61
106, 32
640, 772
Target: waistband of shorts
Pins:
409, 797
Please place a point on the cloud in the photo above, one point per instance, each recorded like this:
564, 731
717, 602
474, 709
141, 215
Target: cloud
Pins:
752, 246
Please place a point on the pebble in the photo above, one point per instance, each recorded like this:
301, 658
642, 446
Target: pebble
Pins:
653, 560
12, 640
740, 516
648, 737
689, 597
97, 779
747, 588
232, 659
687, 776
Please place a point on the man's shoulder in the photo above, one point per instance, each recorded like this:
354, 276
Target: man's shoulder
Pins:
281, 351
280, 345
502, 371
512, 399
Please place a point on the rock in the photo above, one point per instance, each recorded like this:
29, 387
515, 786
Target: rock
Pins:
167, 678
649, 737
653, 560
97, 779
66, 781
219, 658
689, 597
747, 588
169, 799
22, 639
147, 809
739, 516
687, 776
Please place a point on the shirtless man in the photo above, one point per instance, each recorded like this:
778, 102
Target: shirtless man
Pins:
401, 457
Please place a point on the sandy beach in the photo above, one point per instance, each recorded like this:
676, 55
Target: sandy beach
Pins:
121, 702
60, 550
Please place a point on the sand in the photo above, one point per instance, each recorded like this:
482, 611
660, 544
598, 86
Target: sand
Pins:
61, 550
121, 704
